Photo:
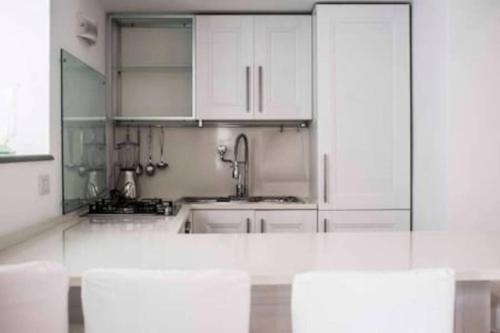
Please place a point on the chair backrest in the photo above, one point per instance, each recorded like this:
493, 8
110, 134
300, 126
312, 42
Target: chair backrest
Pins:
132, 301
33, 298
388, 302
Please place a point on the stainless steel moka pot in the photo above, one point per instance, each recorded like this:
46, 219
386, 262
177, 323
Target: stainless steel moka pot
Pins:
127, 184
127, 157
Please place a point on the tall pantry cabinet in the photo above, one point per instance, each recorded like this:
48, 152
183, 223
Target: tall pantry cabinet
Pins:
362, 121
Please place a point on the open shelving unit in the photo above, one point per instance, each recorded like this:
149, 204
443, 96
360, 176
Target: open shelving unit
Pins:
152, 68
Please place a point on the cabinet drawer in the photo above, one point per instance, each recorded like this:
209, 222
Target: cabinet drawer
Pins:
223, 221
364, 221
286, 221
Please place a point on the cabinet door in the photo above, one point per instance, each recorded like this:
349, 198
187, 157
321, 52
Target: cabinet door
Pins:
286, 221
283, 79
224, 61
364, 221
223, 221
363, 106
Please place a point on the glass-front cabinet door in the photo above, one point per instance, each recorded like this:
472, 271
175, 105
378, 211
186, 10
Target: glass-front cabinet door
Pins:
152, 67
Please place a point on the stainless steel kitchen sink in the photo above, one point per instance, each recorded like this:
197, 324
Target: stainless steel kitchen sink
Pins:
252, 199
204, 200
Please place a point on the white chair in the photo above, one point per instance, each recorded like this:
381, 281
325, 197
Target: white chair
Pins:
33, 298
135, 301
377, 302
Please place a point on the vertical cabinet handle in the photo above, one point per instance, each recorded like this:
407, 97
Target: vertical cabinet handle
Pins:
247, 90
325, 178
262, 222
261, 90
248, 225
325, 225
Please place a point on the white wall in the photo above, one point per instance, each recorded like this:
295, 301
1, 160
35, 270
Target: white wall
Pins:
20, 204
430, 58
474, 115
457, 114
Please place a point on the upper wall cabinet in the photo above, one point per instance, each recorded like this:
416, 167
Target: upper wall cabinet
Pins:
253, 67
224, 59
363, 106
283, 64
152, 67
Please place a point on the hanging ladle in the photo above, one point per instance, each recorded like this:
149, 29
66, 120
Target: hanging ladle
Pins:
162, 164
82, 169
139, 169
150, 167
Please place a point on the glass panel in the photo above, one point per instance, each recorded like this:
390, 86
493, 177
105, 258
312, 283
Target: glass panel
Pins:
83, 133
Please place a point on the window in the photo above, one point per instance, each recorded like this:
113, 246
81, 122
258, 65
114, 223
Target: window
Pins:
25, 78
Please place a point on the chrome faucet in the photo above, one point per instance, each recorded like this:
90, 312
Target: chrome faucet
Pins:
240, 167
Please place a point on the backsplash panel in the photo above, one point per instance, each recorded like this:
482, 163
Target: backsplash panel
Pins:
278, 161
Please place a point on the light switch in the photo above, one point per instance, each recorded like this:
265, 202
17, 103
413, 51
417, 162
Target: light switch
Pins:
43, 184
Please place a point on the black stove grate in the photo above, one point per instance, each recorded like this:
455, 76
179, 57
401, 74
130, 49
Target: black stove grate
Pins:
127, 206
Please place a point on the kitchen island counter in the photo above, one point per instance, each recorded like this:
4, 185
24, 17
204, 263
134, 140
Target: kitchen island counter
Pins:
269, 258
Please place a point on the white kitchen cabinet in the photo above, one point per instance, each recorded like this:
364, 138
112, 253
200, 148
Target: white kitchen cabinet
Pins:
364, 221
223, 221
253, 67
286, 221
362, 105
224, 64
283, 67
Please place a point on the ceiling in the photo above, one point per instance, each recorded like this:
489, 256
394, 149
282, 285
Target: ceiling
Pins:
201, 6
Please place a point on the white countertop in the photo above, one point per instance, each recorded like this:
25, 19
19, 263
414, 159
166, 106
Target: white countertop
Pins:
269, 258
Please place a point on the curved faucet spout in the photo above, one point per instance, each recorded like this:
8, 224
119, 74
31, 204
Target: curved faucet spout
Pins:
241, 173
240, 137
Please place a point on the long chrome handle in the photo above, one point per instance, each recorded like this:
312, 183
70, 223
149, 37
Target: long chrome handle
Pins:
248, 225
261, 90
325, 178
262, 225
247, 70
325, 225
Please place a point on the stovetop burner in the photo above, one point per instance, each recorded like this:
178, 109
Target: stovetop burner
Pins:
127, 206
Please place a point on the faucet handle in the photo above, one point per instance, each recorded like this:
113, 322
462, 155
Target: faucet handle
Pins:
222, 150
236, 170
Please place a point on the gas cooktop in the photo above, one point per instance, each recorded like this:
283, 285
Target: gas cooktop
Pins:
128, 206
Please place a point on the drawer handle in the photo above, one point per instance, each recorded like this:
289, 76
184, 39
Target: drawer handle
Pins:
261, 90
248, 225
262, 222
247, 70
364, 226
325, 178
325, 225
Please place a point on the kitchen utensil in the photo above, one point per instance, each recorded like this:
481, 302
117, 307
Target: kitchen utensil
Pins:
92, 148
162, 164
127, 184
82, 168
139, 169
150, 167
127, 153
92, 191
71, 149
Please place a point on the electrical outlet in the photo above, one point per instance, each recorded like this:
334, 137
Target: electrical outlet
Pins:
43, 184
